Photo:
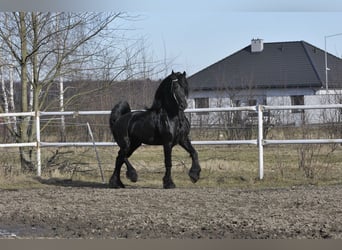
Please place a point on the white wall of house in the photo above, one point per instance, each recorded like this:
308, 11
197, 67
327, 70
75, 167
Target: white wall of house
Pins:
272, 97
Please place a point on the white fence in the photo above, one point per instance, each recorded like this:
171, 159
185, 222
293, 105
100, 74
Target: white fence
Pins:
259, 142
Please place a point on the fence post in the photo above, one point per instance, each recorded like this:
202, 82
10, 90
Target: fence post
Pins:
260, 109
39, 163
97, 154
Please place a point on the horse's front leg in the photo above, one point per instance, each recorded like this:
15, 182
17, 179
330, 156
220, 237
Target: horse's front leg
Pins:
167, 180
195, 169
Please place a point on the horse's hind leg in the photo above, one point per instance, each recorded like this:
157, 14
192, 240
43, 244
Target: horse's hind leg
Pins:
124, 153
195, 169
131, 173
115, 181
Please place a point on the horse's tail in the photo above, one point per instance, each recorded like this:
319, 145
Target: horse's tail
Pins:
119, 109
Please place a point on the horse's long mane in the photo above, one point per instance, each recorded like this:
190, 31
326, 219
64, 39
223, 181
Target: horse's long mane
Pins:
171, 94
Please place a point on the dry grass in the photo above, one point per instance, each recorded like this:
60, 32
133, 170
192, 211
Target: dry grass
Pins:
20, 181
222, 166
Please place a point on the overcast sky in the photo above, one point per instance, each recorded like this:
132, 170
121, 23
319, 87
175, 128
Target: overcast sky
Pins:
196, 33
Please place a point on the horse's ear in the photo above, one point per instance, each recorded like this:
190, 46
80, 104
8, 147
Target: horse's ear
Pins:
172, 72
184, 73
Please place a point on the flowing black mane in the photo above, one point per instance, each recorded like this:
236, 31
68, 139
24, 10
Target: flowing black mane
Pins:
164, 123
171, 94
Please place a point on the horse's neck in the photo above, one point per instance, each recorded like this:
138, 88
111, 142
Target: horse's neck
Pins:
171, 113
180, 115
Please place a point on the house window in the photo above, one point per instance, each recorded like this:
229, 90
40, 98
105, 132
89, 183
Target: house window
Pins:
201, 103
264, 101
237, 103
297, 100
252, 102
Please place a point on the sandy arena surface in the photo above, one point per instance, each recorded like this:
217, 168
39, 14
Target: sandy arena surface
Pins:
94, 211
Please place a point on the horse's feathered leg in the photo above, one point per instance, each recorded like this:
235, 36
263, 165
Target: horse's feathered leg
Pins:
167, 180
194, 172
124, 152
115, 181
131, 173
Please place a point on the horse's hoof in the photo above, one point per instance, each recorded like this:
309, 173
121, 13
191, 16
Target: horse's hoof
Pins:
132, 176
115, 186
194, 176
114, 183
169, 185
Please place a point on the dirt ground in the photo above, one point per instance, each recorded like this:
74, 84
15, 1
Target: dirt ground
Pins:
74, 210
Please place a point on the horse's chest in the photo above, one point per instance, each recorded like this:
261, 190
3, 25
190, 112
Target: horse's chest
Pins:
173, 129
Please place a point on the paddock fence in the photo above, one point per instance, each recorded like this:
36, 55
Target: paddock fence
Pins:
259, 142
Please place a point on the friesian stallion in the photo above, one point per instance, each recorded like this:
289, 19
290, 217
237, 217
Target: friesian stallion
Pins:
164, 123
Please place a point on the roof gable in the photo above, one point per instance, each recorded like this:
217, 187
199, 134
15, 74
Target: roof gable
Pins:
279, 65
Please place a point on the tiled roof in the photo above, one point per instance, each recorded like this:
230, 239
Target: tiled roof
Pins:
279, 65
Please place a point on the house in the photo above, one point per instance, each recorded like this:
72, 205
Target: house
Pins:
278, 73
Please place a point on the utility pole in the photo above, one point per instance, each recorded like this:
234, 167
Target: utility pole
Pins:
326, 59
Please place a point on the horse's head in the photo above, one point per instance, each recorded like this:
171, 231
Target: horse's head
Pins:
179, 89
172, 93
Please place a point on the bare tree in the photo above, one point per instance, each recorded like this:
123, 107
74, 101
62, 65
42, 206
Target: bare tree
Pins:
43, 47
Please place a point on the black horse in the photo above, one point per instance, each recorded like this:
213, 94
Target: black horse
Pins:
164, 123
